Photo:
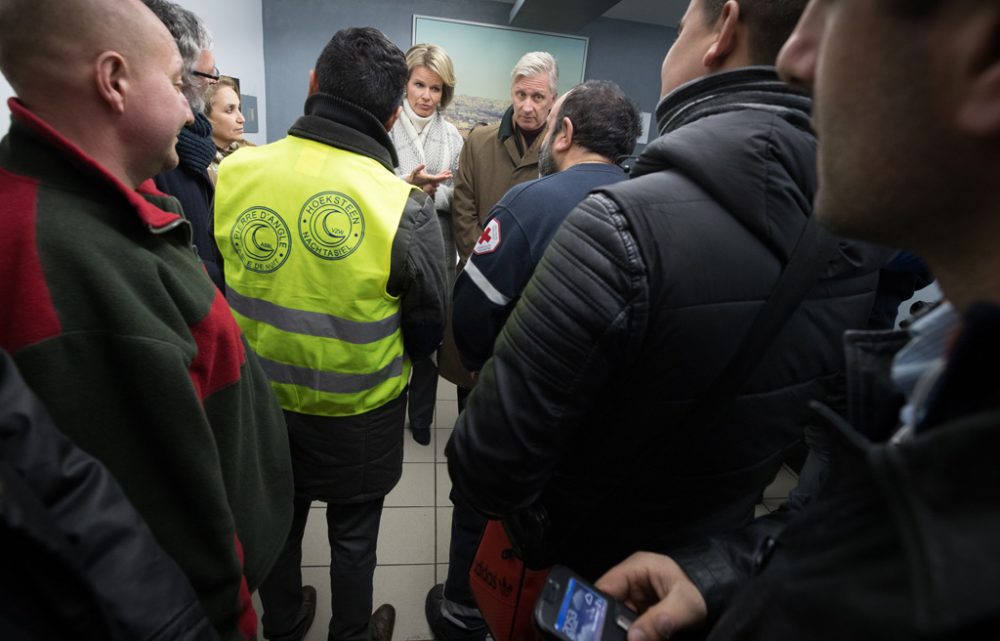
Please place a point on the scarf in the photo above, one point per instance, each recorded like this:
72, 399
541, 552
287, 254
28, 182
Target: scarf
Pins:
195, 147
418, 122
430, 145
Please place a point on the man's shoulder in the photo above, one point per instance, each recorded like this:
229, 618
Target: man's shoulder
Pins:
483, 135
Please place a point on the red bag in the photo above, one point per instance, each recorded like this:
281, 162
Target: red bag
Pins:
505, 590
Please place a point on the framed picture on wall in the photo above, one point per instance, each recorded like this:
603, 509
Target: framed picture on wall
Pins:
484, 54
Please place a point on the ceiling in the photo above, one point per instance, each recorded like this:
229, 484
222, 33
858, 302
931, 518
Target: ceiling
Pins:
662, 12
658, 12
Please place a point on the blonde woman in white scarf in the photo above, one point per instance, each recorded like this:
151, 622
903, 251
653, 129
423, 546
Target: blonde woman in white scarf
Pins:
428, 147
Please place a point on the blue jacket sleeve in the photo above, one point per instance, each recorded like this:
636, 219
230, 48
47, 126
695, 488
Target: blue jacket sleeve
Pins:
488, 288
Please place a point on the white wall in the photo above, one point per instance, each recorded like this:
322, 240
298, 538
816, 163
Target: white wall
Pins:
5, 93
238, 31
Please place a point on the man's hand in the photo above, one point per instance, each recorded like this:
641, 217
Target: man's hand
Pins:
428, 182
657, 588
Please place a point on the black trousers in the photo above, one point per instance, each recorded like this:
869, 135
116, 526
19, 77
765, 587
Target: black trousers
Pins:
423, 392
353, 534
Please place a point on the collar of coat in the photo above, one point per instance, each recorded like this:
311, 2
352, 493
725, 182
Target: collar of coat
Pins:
747, 88
340, 123
46, 152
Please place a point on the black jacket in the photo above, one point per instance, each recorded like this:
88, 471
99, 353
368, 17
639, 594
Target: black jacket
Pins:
189, 183
637, 306
78, 561
900, 540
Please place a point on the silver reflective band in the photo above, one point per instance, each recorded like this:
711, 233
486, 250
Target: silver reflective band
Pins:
329, 381
312, 323
484, 285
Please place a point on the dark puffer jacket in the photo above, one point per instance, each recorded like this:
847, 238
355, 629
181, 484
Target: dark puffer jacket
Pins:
639, 303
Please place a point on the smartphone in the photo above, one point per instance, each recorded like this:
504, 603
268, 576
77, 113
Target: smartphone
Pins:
571, 609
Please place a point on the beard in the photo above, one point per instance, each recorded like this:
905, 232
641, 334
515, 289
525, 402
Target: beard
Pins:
546, 164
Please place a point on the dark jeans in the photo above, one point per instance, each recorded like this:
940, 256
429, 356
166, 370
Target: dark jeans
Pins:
353, 534
466, 529
423, 392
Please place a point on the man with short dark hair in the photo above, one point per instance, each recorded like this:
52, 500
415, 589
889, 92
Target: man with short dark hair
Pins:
588, 129
107, 310
641, 301
335, 271
899, 538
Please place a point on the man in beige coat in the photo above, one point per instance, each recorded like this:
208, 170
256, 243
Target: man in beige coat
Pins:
497, 157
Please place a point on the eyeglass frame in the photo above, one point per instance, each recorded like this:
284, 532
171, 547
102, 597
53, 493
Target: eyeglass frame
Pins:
202, 74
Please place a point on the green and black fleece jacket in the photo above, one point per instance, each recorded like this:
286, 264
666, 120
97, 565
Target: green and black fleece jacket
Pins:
115, 325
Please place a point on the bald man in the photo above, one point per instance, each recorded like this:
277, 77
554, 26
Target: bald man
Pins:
109, 313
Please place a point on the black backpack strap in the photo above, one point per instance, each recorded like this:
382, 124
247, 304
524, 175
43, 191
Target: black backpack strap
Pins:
812, 253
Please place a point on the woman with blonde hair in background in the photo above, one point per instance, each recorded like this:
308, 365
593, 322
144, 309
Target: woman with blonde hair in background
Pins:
222, 107
428, 147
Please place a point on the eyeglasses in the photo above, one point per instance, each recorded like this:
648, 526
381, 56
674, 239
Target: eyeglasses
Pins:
214, 76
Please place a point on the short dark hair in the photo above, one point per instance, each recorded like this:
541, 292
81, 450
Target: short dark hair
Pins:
604, 120
362, 66
769, 23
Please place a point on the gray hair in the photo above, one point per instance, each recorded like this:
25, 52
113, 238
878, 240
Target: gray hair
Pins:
192, 37
534, 63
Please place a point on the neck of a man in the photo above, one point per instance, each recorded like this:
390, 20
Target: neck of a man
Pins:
530, 136
966, 264
578, 156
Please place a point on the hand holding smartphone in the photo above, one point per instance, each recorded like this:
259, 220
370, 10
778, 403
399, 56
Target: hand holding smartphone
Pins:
571, 609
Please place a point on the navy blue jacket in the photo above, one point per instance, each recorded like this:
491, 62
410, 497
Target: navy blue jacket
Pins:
513, 241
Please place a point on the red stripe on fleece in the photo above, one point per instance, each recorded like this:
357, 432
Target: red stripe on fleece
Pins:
149, 213
28, 315
220, 349
248, 616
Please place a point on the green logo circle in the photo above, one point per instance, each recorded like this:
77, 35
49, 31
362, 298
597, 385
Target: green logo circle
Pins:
331, 225
260, 239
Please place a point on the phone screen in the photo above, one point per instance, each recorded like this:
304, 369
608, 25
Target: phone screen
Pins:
582, 613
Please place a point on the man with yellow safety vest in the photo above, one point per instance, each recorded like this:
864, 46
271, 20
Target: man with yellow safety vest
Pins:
335, 271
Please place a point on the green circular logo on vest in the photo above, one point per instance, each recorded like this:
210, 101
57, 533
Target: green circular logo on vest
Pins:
331, 225
260, 239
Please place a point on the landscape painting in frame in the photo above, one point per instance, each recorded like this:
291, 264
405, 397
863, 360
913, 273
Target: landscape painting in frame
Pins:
484, 55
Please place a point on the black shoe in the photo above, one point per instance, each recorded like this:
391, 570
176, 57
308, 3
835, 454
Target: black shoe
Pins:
422, 435
443, 628
382, 622
307, 612
308, 607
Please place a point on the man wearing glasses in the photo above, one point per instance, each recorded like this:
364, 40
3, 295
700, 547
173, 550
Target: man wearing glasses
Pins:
190, 182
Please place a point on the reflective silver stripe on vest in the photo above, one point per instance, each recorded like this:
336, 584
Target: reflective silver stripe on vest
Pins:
312, 323
329, 381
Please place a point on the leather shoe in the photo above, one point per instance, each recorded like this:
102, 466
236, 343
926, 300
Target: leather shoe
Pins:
445, 630
422, 435
308, 607
382, 622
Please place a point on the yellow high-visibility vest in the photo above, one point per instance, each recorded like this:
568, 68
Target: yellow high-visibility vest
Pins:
306, 232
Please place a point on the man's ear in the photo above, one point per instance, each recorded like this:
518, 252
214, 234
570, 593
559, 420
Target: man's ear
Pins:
393, 118
726, 36
979, 112
313, 82
112, 77
564, 139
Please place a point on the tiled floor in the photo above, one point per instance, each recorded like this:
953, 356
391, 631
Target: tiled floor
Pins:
413, 539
